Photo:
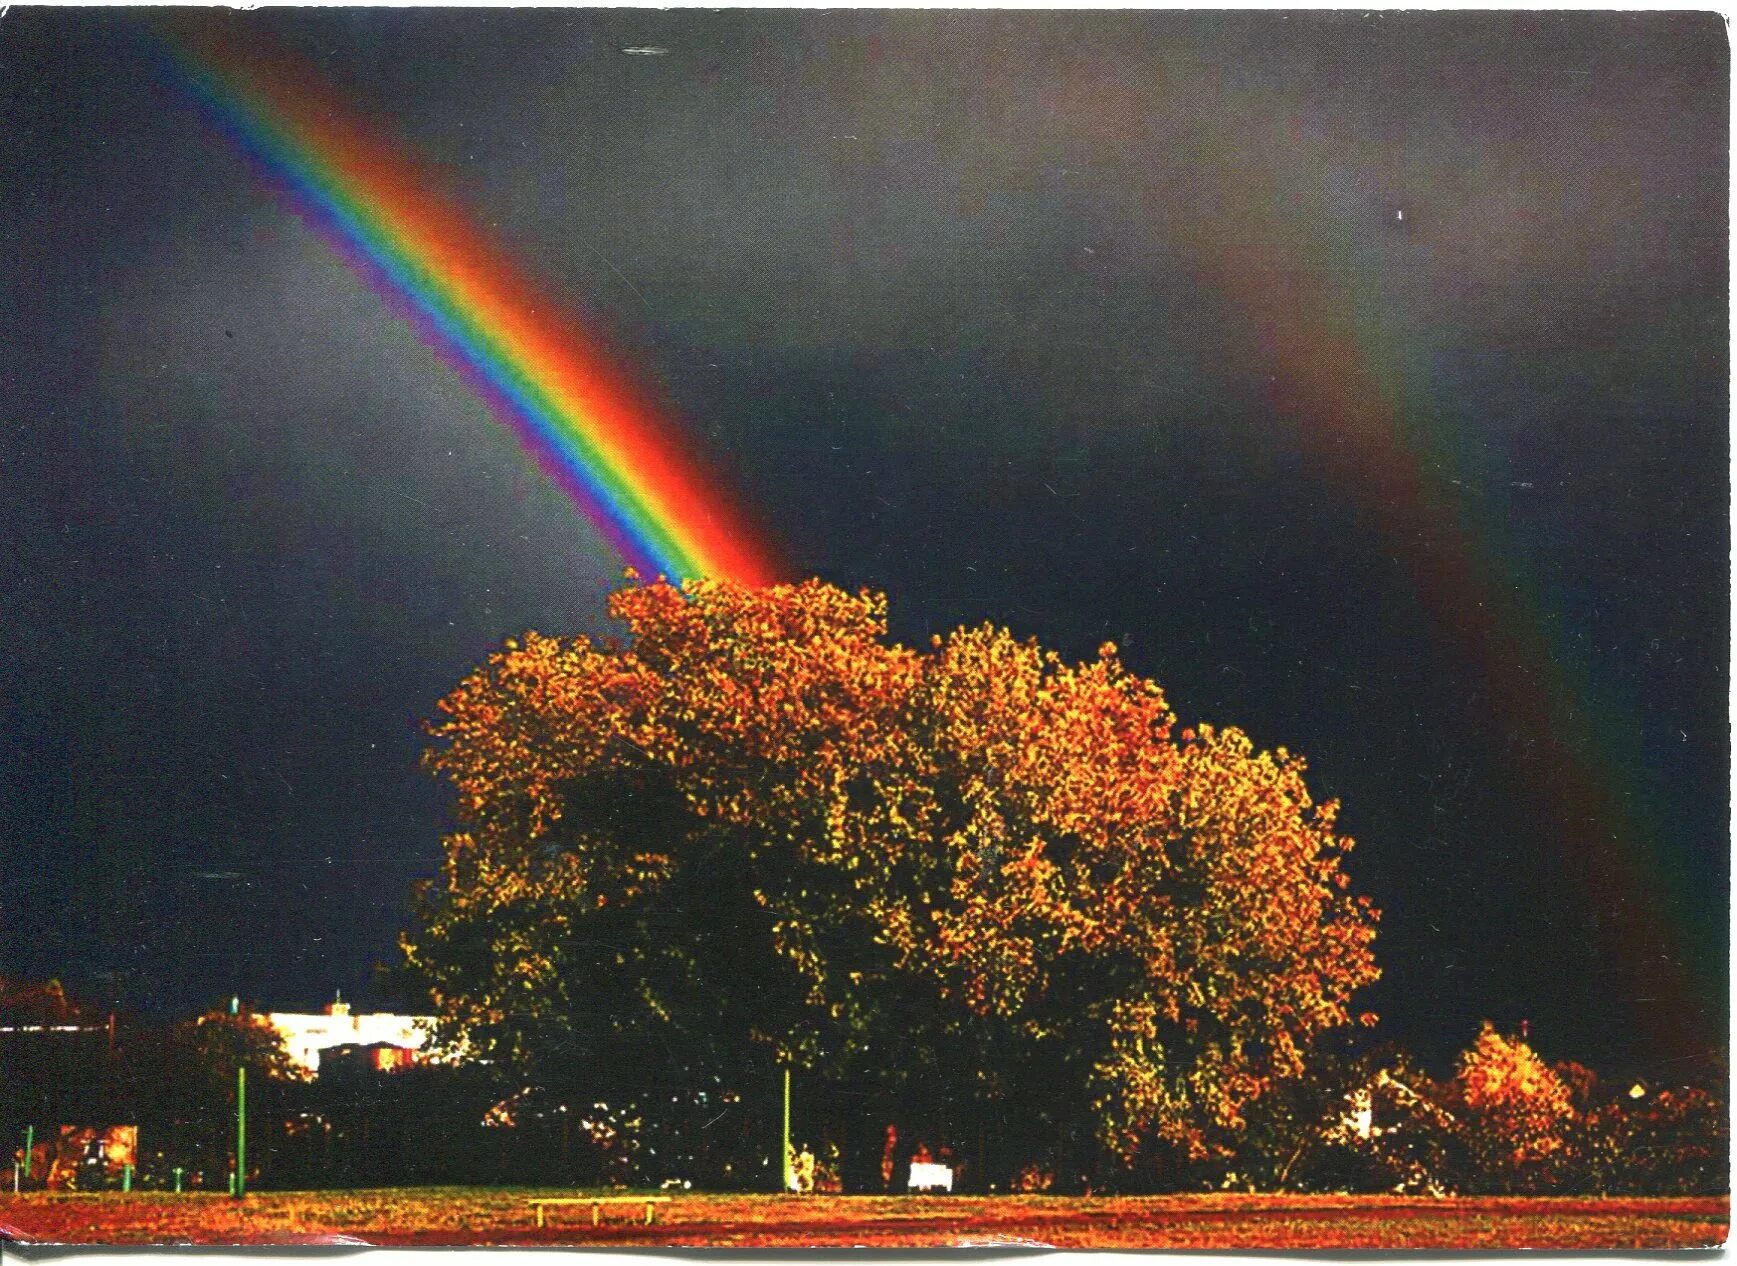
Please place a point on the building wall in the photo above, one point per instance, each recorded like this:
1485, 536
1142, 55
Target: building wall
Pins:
305, 1036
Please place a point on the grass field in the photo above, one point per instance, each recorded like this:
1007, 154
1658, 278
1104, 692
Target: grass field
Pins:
503, 1216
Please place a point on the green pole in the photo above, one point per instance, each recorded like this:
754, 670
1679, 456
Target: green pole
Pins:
29, 1147
238, 1180
240, 1131
126, 1178
788, 1169
178, 1172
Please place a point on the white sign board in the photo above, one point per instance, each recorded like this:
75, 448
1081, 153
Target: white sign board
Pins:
927, 1177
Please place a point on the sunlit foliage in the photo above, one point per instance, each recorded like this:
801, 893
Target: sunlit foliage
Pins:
217, 1042
755, 830
1515, 1108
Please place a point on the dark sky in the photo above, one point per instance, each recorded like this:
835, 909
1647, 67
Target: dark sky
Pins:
1363, 377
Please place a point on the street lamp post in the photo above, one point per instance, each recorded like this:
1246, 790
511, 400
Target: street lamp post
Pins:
788, 1170
239, 1187
240, 1131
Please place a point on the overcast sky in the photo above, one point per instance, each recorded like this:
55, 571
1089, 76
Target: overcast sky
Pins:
1056, 320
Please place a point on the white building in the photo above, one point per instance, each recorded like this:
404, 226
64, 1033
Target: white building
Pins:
305, 1036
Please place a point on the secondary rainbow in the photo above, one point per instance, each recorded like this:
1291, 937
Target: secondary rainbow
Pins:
1358, 397
541, 375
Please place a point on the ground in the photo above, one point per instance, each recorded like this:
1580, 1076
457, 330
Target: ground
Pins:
503, 1216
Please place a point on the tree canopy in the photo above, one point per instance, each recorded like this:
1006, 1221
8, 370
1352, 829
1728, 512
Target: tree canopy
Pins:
756, 831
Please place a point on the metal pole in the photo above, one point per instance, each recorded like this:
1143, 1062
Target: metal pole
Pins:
126, 1178
240, 1131
29, 1147
178, 1172
789, 1170
238, 1181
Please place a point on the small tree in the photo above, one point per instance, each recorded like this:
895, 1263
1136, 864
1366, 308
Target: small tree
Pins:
1517, 1114
182, 1089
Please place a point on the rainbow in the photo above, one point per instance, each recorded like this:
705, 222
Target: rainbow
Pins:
1357, 398
540, 375
1352, 394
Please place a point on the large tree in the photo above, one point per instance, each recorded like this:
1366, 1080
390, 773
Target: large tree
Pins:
974, 882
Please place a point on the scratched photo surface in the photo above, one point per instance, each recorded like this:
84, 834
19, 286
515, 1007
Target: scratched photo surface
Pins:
774, 627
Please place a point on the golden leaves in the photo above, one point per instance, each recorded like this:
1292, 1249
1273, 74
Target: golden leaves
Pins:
1023, 841
1519, 1104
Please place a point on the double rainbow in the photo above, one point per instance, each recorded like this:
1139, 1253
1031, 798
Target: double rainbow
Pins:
1353, 393
541, 376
